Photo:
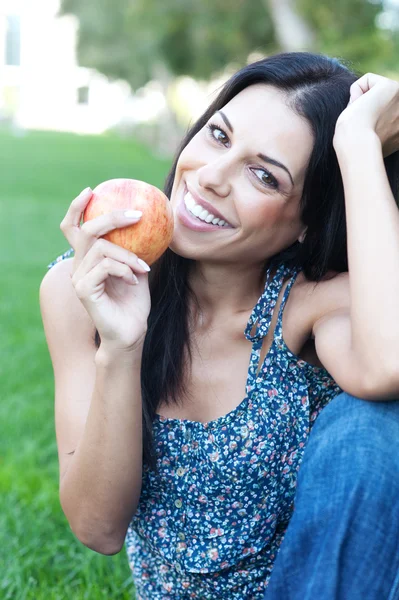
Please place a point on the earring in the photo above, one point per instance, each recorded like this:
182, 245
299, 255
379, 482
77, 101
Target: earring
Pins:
301, 238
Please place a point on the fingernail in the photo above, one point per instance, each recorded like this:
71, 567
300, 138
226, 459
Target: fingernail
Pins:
133, 214
143, 264
86, 191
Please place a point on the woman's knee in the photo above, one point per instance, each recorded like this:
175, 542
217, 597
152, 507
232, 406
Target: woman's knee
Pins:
348, 419
357, 439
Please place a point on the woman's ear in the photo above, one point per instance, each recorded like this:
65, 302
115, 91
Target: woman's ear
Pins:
301, 238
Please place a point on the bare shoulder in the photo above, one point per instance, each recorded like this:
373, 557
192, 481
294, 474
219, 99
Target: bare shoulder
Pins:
60, 273
316, 300
62, 312
56, 287
332, 290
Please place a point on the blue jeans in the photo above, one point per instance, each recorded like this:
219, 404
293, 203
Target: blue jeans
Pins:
342, 542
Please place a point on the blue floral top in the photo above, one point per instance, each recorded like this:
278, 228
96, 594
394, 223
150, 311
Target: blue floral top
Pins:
210, 522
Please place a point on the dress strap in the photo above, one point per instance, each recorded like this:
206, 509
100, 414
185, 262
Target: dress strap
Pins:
261, 317
278, 331
64, 256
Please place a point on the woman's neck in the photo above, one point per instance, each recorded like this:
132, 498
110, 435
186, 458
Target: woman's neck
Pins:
225, 289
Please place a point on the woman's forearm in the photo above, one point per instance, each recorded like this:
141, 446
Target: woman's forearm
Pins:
372, 218
100, 490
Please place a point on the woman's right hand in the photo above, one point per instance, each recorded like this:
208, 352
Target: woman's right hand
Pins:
110, 281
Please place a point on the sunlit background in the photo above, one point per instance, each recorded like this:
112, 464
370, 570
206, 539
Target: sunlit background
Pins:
93, 66
91, 90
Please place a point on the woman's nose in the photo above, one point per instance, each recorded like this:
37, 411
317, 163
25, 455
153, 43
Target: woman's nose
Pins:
215, 176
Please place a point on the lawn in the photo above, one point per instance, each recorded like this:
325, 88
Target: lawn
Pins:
40, 174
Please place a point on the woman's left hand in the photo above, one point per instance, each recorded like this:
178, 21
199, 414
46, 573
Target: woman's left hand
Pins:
373, 105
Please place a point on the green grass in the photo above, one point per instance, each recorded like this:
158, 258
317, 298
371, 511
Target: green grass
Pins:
40, 174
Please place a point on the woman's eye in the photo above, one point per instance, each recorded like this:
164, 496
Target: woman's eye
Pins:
266, 177
218, 134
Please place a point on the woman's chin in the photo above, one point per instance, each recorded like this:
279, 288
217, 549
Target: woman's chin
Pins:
184, 250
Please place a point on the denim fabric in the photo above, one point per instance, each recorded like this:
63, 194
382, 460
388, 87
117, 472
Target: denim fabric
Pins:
342, 542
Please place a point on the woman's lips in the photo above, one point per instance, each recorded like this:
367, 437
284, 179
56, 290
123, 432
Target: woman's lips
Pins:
192, 222
206, 205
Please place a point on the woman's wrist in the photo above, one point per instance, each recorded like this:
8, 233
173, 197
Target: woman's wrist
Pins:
108, 354
349, 138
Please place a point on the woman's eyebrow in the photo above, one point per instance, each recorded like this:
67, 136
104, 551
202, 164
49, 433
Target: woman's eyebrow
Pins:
225, 119
276, 163
263, 157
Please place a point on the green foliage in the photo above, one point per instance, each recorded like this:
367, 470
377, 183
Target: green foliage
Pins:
110, 39
130, 38
206, 36
347, 29
40, 175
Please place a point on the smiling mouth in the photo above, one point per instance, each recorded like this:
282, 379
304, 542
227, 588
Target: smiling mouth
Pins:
201, 213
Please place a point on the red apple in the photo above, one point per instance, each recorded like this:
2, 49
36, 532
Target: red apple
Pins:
150, 237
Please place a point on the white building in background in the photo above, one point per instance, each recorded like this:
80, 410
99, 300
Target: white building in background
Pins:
43, 87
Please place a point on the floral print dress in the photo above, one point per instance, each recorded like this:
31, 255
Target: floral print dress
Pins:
211, 519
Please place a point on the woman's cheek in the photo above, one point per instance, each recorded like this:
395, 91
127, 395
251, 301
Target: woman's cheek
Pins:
262, 210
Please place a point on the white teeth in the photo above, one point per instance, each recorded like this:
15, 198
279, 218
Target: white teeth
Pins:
197, 210
189, 200
201, 213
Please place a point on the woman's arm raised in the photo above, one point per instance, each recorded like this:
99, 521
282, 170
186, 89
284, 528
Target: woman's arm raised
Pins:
97, 392
358, 339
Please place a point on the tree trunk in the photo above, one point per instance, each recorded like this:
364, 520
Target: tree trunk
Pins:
168, 132
292, 31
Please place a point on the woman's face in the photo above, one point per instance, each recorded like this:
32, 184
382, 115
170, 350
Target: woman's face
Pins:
239, 181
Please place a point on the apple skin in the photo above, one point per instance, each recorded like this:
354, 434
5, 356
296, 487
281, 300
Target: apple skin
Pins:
151, 236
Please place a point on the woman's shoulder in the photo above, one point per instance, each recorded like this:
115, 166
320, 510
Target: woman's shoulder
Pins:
57, 279
333, 282
57, 295
308, 301
319, 298
63, 314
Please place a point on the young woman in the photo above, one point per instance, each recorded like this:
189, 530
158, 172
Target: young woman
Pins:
185, 398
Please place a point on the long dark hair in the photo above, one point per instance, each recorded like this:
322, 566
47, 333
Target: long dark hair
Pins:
317, 89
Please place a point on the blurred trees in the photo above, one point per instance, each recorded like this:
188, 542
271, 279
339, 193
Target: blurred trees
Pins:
143, 40
138, 40
347, 29
291, 28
